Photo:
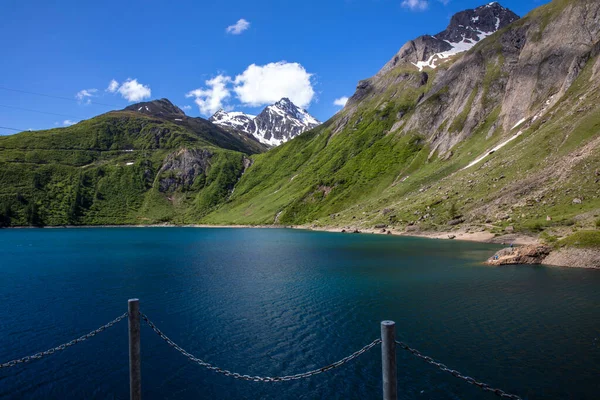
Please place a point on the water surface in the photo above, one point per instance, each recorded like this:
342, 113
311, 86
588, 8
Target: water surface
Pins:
273, 302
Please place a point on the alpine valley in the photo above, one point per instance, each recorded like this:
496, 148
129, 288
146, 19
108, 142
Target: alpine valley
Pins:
491, 125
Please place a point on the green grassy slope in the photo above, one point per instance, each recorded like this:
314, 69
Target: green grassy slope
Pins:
108, 170
368, 174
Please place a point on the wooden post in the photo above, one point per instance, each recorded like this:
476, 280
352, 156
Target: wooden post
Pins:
388, 360
135, 365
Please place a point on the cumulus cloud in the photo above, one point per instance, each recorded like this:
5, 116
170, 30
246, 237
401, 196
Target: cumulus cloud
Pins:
257, 86
238, 27
341, 101
211, 99
415, 5
132, 90
186, 107
84, 95
68, 122
265, 84
112, 86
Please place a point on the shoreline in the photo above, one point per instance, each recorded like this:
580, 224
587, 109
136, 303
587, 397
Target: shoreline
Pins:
480, 237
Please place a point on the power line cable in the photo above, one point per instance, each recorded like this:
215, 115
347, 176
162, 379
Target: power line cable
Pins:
40, 112
13, 129
56, 97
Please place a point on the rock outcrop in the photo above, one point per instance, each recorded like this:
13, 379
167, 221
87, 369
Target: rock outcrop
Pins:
181, 169
532, 254
540, 254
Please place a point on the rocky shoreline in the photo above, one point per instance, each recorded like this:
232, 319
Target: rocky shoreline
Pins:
524, 249
546, 255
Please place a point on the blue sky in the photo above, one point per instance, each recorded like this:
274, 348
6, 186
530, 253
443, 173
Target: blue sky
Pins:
237, 54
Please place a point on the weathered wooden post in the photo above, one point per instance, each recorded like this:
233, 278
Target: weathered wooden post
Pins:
388, 360
135, 364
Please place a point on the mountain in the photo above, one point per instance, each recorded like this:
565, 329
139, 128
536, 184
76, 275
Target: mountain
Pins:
276, 124
465, 30
502, 137
148, 163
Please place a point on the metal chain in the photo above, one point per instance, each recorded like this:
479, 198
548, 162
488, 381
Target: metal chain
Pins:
259, 378
468, 379
83, 338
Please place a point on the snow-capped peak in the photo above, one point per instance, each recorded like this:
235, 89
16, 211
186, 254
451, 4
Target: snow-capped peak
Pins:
276, 124
466, 29
286, 106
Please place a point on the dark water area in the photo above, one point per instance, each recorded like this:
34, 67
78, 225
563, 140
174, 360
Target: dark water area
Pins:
278, 302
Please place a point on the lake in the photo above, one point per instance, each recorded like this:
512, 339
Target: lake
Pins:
278, 302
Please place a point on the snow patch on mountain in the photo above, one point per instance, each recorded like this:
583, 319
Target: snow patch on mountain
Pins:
234, 119
457, 48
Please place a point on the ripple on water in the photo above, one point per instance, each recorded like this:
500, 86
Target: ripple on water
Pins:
273, 302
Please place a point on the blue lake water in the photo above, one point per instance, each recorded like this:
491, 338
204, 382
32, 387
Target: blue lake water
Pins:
274, 302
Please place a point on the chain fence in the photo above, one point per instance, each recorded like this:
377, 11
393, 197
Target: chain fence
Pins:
254, 378
260, 378
456, 374
80, 339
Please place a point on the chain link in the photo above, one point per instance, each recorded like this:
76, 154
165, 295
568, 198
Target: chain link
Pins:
456, 374
259, 378
83, 338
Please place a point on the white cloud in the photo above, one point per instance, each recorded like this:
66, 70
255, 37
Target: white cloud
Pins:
133, 91
84, 95
112, 86
416, 5
341, 101
68, 122
238, 27
186, 107
259, 85
211, 99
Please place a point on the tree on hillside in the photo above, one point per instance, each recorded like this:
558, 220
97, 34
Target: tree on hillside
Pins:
33, 216
5, 215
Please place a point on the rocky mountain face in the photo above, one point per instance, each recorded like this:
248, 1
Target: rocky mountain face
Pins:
181, 169
515, 76
465, 30
426, 53
276, 124
501, 137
